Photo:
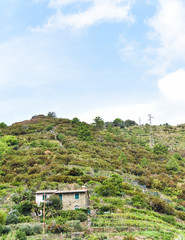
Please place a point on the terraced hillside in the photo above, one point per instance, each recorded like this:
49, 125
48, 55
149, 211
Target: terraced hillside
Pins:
134, 190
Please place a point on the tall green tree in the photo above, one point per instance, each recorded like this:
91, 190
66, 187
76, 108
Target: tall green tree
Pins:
118, 122
99, 123
52, 114
84, 133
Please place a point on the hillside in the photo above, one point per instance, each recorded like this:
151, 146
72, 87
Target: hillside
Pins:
135, 192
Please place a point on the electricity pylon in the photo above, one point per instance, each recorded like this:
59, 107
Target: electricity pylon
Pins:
151, 132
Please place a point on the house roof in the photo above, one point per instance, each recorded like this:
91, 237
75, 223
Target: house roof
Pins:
72, 191
63, 191
46, 191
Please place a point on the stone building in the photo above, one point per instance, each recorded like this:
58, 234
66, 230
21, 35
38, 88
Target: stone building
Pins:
71, 199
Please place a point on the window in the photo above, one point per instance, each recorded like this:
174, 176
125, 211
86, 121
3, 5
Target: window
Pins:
77, 207
77, 196
43, 197
60, 196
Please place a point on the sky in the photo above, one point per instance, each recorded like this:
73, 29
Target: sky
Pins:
86, 58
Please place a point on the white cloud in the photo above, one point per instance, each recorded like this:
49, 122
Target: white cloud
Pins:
98, 11
168, 30
172, 86
164, 48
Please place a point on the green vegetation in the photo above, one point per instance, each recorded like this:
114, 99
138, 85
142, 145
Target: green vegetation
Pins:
134, 191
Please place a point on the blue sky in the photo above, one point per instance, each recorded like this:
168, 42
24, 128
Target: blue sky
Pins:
88, 58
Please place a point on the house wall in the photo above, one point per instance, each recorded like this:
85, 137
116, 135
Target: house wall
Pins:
69, 202
39, 197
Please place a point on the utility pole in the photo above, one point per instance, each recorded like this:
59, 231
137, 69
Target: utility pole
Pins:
151, 132
44, 213
139, 121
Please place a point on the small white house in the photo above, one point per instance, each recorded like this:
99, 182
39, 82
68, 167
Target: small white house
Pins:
71, 199
40, 195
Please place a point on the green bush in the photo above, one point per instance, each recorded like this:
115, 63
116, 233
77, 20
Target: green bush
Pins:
3, 125
169, 219
160, 149
84, 133
107, 208
9, 140
2, 217
24, 207
60, 137
6, 230
173, 165
12, 219
81, 216
1, 229
25, 219
20, 235
139, 202
161, 206
75, 225
49, 128
27, 229
37, 229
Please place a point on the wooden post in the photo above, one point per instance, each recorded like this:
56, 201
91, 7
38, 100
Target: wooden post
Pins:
44, 215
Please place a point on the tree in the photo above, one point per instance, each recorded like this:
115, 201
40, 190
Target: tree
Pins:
3, 125
129, 123
52, 114
52, 205
118, 123
84, 133
75, 121
99, 123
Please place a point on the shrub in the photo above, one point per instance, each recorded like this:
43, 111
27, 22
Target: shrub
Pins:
107, 208
75, 225
27, 229
169, 219
25, 219
57, 228
173, 165
12, 219
1, 229
3, 125
84, 133
50, 127
24, 207
52, 114
6, 230
129, 238
161, 206
181, 215
9, 140
80, 216
20, 235
37, 229
2, 217
160, 149
138, 201
60, 137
